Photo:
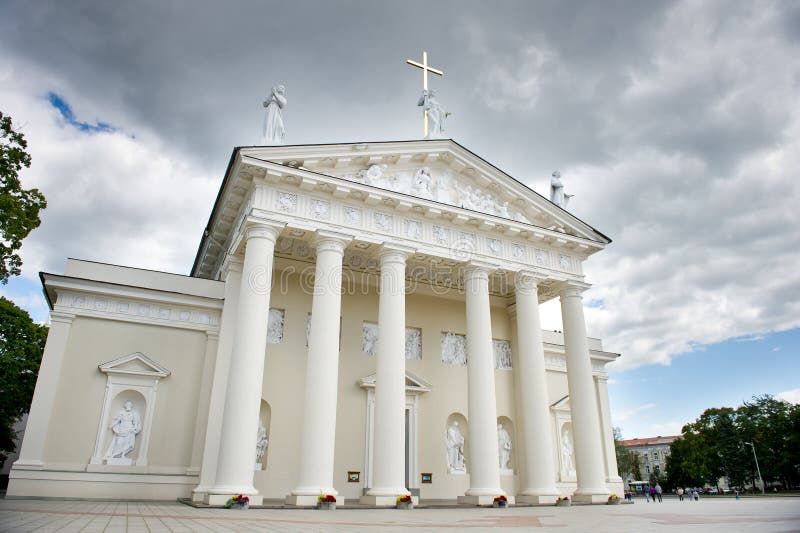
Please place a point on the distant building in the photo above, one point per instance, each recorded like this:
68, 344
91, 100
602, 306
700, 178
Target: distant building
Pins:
652, 452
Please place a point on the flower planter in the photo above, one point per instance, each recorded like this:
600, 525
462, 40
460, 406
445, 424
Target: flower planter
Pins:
500, 504
614, 501
241, 507
406, 506
563, 503
326, 506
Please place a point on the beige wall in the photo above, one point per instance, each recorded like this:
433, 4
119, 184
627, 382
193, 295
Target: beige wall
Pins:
284, 382
79, 400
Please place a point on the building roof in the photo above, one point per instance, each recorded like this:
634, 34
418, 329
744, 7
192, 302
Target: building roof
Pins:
650, 441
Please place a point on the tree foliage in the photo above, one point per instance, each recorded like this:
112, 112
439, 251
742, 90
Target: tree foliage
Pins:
19, 208
21, 346
714, 445
627, 460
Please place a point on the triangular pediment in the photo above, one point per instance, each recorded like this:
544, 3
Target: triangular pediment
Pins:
414, 383
441, 171
561, 405
136, 364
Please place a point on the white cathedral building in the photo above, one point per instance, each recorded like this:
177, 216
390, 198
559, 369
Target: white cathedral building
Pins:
360, 320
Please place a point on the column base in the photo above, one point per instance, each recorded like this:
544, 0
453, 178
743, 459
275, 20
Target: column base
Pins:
536, 499
593, 498
220, 499
308, 500
383, 501
482, 499
199, 494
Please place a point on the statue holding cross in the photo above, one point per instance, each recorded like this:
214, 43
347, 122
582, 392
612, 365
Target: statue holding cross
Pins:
434, 115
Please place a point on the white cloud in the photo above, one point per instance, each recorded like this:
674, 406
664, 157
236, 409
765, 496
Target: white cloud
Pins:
791, 396
627, 414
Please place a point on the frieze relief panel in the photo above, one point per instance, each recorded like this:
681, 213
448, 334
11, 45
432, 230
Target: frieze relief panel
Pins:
136, 311
454, 348
460, 242
502, 354
369, 341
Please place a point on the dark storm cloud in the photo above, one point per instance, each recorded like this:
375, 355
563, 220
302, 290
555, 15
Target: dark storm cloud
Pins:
674, 123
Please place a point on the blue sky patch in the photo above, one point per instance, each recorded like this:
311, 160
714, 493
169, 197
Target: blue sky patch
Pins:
69, 117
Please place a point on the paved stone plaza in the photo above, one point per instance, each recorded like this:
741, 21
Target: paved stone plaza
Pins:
755, 514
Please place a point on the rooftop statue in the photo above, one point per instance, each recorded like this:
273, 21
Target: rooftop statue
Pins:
557, 195
274, 132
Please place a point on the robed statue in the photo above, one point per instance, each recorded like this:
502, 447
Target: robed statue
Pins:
557, 195
126, 425
274, 132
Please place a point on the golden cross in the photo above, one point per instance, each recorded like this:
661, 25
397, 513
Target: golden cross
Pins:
425, 69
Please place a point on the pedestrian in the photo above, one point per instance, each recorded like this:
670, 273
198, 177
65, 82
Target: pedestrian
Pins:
679, 492
696, 496
659, 491
653, 494
647, 493
736, 492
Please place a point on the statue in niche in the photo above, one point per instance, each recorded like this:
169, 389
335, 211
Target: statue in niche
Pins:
503, 446
455, 449
422, 183
127, 424
436, 113
261, 443
557, 195
274, 132
566, 451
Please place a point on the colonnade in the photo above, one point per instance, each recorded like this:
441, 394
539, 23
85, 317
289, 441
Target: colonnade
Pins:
234, 473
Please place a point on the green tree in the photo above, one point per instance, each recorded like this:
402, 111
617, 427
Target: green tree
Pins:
21, 345
687, 462
19, 208
627, 460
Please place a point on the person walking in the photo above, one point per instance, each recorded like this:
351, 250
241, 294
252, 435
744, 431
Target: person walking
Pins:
659, 491
653, 493
679, 492
647, 493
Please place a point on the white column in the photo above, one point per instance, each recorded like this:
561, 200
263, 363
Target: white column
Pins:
203, 403
388, 478
538, 481
222, 364
322, 376
44, 395
612, 472
582, 400
245, 378
484, 469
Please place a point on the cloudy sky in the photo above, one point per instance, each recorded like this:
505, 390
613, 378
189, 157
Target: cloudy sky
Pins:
676, 125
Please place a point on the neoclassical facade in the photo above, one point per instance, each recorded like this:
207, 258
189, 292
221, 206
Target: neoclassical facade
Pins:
360, 320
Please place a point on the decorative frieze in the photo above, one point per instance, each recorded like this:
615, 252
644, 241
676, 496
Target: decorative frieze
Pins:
352, 215
136, 311
320, 209
286, 202
369, 341
384, 221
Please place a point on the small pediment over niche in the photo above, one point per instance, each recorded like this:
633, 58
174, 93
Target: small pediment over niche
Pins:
562, 404
135, 364
414, 383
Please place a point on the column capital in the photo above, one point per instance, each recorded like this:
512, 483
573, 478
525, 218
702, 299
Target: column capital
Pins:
572, 289
478, 269
527, 281
394, 253
61, 317
331, 241
255, 228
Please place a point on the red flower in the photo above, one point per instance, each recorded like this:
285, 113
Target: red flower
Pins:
501, 499
330, 498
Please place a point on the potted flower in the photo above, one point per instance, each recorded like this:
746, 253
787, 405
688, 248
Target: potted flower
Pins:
564, 501
239, 501
500, 501
613, 499
326, 501
405, 502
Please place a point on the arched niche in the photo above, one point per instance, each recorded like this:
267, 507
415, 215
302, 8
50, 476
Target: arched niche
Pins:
132, 378
566, 450
263, 437
507, 441
456, 444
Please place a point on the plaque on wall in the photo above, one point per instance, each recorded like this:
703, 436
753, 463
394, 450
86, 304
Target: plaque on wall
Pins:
353, 477
427, 477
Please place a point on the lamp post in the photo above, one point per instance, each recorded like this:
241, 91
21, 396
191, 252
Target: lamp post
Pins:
760, 480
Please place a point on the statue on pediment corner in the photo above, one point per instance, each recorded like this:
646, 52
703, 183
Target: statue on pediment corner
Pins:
557, 194
436, 114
